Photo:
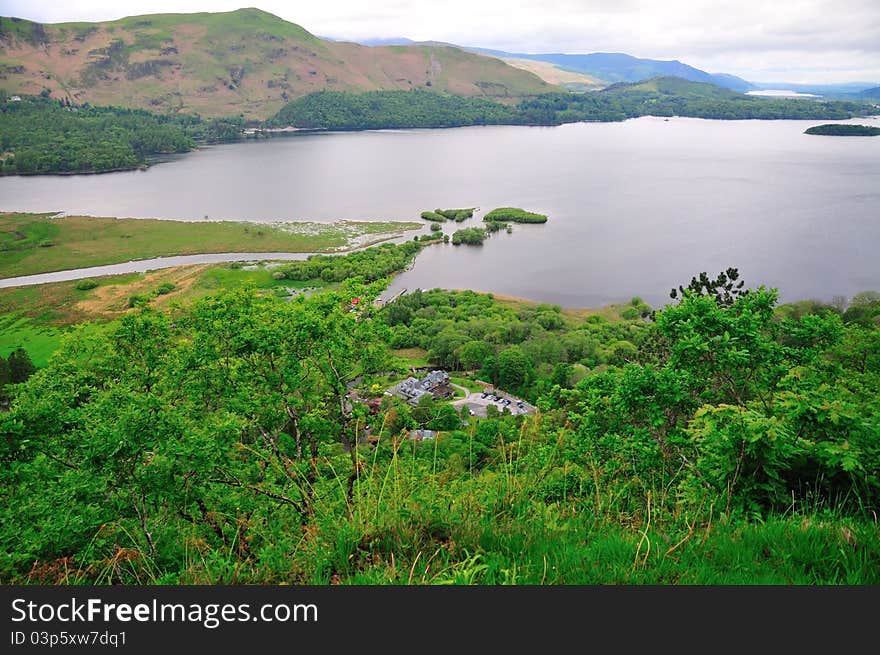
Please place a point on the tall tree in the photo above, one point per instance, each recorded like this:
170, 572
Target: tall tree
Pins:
20, 366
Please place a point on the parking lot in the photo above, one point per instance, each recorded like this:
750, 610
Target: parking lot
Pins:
477, 402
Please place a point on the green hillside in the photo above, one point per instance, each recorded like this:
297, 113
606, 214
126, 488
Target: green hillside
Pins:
673, 96
245, 438
672, 86
661, 96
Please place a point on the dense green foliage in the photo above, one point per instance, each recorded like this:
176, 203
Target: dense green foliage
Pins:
725, 288
463, 330
664, 96
371, 264
863, 309
335, 110
433, 216
843, 130
739, 408
470, 236
497, 226
514, 214
39, 135
457, 215
218, 445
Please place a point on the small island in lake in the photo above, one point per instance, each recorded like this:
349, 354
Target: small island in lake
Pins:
514, 214
832, 129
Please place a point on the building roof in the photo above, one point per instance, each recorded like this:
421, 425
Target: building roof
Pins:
412, 388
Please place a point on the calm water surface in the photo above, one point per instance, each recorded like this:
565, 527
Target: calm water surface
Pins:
635, 207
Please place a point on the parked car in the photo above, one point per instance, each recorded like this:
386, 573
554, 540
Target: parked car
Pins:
483, 395
520, 405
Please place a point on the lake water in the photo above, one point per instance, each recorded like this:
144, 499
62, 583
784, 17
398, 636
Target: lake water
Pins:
635, 207
781, 93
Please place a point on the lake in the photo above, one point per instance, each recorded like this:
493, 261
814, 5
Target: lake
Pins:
635, 207
780, 93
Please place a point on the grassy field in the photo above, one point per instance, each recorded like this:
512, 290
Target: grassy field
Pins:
415, 357
36, 243
610, 313
467, 383
40, 341
36, 317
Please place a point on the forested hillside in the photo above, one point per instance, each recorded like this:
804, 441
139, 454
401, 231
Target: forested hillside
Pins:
246, 439
40, 135
662, 96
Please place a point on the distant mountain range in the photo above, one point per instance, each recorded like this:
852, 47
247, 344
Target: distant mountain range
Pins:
605, 68
846, 90
608, 67
618, 67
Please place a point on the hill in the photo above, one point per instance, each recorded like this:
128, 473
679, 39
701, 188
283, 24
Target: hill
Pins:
871, 94
672, 86
552, 74
245, 62
672, 96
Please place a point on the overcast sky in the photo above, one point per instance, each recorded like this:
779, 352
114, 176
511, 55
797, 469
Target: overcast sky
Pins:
762, 40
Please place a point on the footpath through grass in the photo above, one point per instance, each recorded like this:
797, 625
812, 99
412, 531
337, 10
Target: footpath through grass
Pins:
36, 243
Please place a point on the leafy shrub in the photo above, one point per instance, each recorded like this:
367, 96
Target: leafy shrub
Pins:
471, 236
85, 285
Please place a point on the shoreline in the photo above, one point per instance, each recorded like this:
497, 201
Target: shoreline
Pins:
255, 134
352, 238
172, 261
